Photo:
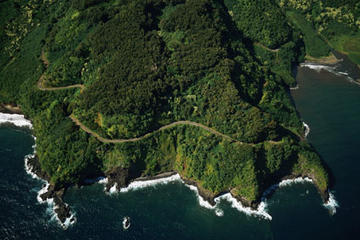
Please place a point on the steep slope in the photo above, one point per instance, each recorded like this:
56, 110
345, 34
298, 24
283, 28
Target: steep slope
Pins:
180, 73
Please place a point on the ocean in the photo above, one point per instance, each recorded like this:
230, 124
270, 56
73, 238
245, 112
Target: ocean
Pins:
329, 103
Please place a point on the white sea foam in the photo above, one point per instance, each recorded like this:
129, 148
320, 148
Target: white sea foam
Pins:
135, 185
41, 192
29, 168
353, 81
289, 182
68, 222
295, 88
331, 204
344, 73
103, 181
113, 189
284, 183
54, 217
318, 67
332, 69
201, 200
15, 119
307, 129
259, 212
49, 201
52, 207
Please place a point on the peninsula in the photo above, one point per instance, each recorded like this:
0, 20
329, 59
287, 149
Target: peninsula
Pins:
134, 89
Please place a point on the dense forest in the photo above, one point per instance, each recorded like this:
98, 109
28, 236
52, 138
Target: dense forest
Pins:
143, 65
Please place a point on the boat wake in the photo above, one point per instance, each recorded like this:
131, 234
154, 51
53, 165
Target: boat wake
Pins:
126, 223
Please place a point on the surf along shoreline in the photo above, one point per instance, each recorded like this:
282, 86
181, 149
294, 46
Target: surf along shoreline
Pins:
210, 201
12, 115
119, 179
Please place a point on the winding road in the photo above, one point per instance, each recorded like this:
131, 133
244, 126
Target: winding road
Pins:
41, 81
178, 123
77, 122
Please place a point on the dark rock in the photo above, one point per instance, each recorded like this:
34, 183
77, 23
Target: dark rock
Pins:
206, 195
36, 168
120, 176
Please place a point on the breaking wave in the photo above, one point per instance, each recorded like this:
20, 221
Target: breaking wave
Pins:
319, 68
283, 183
49, 201
259, 212
289, 182
135, 185
307, 129
15, 119
333, 69
201, 200
331, 204
295, 88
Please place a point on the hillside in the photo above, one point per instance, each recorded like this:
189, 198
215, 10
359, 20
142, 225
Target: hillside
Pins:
137, 88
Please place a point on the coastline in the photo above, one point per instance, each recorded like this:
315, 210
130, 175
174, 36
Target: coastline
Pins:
316, 66
48, 194
120, 180
12, 114
210, 201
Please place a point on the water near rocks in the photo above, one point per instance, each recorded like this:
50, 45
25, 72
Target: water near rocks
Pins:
328, 103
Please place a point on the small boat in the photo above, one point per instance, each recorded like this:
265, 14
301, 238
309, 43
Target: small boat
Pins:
126, 223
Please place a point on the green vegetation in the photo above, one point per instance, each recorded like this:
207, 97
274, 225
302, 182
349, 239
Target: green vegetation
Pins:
315, 46
260, 20
336, 22
348, 44
146, 64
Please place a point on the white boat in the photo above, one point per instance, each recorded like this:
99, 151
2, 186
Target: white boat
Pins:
126, 223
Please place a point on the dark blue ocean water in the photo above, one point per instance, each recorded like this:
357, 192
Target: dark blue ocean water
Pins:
329, 104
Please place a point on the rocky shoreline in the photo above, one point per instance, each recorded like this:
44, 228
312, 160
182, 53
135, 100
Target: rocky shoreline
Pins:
115, 182
121, 178
49, 194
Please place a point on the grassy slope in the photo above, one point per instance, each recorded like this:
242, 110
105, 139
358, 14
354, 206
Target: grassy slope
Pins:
347, 44
315, 46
